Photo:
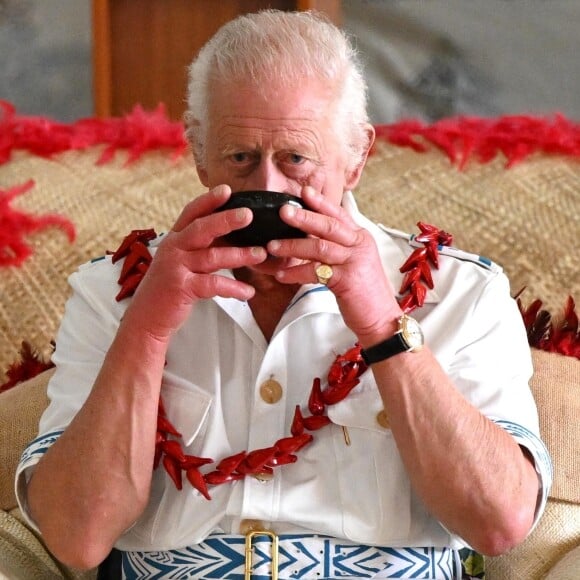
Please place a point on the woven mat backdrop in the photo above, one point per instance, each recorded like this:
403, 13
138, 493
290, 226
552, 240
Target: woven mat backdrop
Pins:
526, 218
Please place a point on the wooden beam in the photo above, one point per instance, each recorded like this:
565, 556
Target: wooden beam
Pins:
330, 7
102, 58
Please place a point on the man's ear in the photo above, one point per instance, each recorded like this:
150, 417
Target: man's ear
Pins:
202, 174
193, 127
353, 174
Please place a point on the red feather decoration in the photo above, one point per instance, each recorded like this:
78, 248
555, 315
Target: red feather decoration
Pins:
29, 365
16, 224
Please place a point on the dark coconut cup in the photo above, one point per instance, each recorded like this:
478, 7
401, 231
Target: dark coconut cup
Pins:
267, 224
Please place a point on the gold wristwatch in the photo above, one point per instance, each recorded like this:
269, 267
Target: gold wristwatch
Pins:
408, 338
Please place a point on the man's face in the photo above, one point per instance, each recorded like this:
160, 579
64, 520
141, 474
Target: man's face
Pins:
270, 138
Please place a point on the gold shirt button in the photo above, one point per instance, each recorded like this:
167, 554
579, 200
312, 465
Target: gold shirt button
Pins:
383, 420
271, 391
247, 526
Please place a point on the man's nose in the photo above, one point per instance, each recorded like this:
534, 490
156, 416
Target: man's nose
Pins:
268, 176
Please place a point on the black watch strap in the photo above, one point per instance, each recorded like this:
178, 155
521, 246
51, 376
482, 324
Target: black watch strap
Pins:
384, 350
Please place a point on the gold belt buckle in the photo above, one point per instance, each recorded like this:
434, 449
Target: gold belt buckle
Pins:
274, 539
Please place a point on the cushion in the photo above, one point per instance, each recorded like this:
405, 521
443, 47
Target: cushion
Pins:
24, 556
556, 388
567, 568
20, 410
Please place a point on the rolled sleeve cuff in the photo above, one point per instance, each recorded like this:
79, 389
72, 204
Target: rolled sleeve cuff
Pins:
31, 456
542, 462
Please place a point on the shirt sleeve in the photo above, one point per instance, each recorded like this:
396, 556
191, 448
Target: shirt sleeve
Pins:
493, 367
88, 326
542, 462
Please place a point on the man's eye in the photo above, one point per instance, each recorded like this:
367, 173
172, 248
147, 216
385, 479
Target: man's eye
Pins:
240, 157
296, 159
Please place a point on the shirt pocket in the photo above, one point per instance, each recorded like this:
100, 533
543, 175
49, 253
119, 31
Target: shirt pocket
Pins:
177, 517
186, 405
374, 488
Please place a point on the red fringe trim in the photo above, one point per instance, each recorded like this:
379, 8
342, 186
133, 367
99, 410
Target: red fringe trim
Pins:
561, 336
462, 138
138, 132
15, 225
29, 365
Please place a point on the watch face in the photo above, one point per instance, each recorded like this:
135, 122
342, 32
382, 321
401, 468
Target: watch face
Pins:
412, 333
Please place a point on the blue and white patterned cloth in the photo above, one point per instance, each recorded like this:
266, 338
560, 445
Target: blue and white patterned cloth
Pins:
301, 557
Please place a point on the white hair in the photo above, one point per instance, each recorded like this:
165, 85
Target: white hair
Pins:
279, 48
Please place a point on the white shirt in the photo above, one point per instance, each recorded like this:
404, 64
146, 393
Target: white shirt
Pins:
219, 358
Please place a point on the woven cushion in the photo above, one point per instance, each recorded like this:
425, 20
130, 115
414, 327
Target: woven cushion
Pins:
24, 556
20, 410
556, 388
567, 568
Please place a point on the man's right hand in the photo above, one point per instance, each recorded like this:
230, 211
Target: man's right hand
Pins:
184, 267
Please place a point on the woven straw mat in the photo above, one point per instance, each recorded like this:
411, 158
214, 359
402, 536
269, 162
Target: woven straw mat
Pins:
526, 218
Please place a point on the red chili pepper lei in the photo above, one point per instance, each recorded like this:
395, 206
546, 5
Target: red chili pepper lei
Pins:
315, 402
343, 375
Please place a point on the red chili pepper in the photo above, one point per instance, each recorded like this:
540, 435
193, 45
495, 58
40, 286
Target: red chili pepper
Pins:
350, 372
334, 373
138, 253
289, 445
426, 274
164, 425
141, 235
129, 286
194, 461
407, 303
217, 477
282, 460
315, 402
297, 427
196, 479
351, 355
419, 292
173, 470
410, 277
230, 464
173, 449
337, 393
428, 232
417, 257
315, 422
255, 460
433, 253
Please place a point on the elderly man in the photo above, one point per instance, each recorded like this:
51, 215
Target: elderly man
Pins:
383, 466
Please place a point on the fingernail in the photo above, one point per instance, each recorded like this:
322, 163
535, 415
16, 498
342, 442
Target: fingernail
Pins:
257, 251
290, 210
273, 245
240, 213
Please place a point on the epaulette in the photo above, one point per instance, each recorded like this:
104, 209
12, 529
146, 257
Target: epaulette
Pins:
446, 250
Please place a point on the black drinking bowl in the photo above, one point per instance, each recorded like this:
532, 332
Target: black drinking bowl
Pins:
267, 224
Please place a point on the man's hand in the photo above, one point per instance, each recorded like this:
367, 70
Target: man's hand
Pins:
365, 296
184, 268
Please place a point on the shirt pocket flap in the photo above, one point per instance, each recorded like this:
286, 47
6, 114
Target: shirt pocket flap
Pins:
360, 409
